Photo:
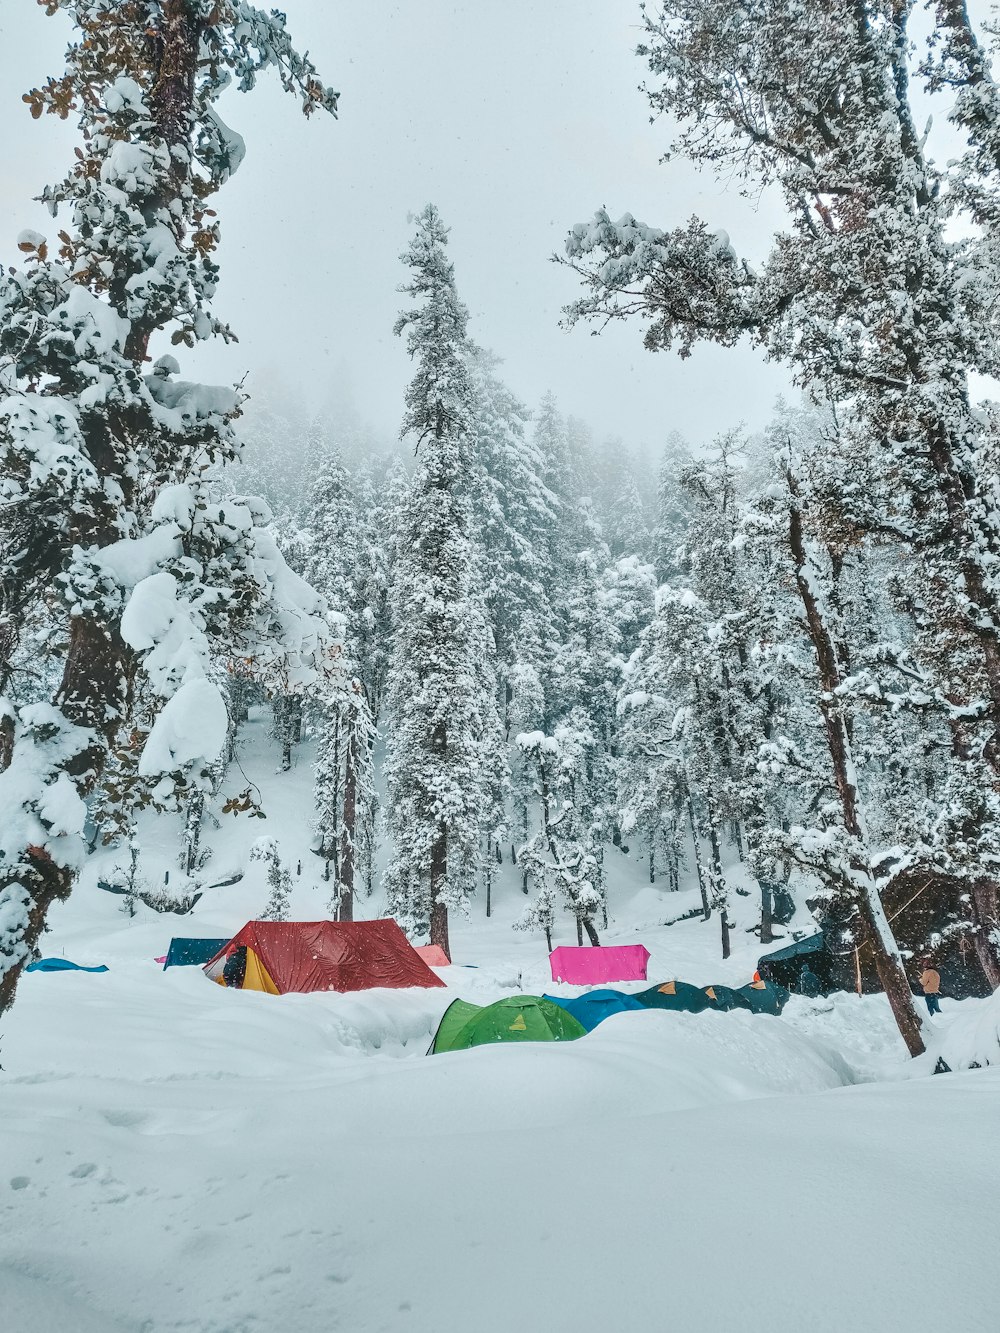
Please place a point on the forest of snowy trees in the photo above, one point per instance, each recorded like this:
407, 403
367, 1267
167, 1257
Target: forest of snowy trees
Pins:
511, 641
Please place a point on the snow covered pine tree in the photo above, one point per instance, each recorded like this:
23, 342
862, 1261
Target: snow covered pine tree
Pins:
107, 467
439, 789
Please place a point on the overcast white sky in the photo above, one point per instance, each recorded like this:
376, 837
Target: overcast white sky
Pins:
517, 120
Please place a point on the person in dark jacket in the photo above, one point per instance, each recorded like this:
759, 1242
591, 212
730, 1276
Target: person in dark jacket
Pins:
235, 970
809, 983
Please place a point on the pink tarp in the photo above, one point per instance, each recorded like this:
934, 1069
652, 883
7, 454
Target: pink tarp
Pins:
433, 955
585, 967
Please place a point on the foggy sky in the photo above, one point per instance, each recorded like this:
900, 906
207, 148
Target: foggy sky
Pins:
517, 120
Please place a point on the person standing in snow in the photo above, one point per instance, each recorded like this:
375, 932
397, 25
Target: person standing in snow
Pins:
930, 984
809, 982
235, 970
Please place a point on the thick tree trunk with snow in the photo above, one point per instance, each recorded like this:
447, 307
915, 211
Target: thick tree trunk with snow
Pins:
859, 888
986, 929
439, 909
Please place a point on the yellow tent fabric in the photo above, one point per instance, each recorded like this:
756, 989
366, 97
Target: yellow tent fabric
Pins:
257, 976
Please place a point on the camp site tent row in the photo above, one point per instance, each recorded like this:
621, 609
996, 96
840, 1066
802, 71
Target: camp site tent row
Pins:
303, 956
548, 1018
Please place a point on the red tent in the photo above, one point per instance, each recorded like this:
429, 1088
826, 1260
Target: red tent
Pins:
284, 956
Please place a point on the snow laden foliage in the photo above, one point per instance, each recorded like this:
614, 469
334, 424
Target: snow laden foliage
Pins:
341, 565
111, 511
880, 295
865, 294
441, 768
565, 857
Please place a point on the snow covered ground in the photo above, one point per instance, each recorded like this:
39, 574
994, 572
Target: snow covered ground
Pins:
177, 1156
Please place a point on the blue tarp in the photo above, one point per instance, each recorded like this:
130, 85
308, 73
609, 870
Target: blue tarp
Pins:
596, 1005
187, 951
61, 965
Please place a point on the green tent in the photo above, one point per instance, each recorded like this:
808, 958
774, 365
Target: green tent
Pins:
453, 1019
675, 995
516, 1018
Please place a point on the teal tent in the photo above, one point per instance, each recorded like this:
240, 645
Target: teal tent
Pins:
675, 995
187, 951
596, 1005
784, 967
724, 997
61, 965
765, 997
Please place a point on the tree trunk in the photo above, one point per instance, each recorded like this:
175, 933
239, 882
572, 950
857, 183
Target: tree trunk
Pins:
724, 919
46, 884
192, 830
766, 920
891, 975
706, 905
439, 909
489, 880
335, 802
652, 866
986, 935
591, 930
349, 828
862, 889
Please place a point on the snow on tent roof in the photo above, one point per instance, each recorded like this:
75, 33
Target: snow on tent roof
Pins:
325, 955
515, 1018
61, 965
596, 1006
187, 951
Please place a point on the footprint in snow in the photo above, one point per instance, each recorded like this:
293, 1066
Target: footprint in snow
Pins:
20, 1182
83, 1170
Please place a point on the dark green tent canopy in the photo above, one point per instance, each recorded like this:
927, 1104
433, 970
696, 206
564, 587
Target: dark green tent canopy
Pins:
767, 998
187, 952
784, 967
675, 995
809, 944
516, 1018
724, 997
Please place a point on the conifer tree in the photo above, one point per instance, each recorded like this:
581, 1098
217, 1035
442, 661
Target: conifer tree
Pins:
866, 295
437, 793
112, 465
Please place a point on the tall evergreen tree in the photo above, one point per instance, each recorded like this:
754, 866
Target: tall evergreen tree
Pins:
111, 501
437, 789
